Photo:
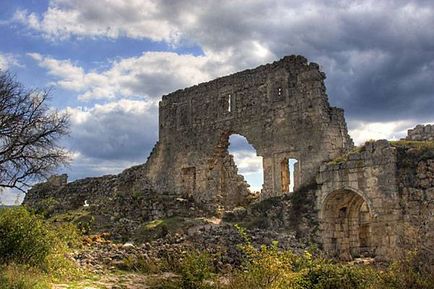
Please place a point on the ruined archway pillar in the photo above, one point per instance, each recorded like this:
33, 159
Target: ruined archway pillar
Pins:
269, 177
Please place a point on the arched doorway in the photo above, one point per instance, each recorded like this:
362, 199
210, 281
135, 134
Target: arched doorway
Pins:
235, 185
346, 222
248, 163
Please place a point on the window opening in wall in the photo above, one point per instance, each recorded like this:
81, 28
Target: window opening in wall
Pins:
188, 181
229, 103
289, 175
249, 165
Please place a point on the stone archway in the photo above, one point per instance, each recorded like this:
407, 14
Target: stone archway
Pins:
231, 187
346, 225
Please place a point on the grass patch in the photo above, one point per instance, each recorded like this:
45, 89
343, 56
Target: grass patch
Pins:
345, 157
160, 228
418, 145
14, 276
81, 218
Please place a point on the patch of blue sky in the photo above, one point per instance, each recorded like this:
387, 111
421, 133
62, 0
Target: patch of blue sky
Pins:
8, 7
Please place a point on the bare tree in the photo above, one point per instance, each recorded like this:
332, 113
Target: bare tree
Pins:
29, 134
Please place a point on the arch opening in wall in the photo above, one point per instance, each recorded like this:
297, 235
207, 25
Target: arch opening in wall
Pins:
248, 163
346, 226
289, 175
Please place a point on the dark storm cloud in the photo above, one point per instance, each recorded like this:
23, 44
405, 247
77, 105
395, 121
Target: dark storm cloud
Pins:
378, 55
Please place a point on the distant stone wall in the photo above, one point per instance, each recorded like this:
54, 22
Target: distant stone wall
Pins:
128, 196
421, 133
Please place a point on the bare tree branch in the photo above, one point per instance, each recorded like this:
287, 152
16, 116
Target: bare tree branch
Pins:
29, 134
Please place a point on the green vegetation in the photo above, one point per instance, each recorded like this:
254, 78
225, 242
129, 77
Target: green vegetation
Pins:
345, 157
142, 265
418, 145
159, 228
267, 267
33, 255
33, 251
81, 218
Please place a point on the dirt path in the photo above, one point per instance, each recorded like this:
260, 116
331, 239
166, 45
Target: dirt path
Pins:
117, 280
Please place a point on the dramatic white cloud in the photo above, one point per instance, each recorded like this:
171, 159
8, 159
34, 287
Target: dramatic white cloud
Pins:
113, 19
105, 139
3, 62
363, 131
151, 74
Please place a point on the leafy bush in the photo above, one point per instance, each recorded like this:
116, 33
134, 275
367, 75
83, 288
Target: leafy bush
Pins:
196, 267
329, 276
413, 271
28, 240
196, 271
271, 268
24, 237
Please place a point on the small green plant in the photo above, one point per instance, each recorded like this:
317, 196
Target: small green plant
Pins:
195, 269
412, 271
142, 264
268, 267
46, 206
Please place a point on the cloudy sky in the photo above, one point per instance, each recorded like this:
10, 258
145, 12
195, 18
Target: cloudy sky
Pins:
109, 61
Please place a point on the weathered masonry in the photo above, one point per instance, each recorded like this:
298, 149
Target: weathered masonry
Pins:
281, 108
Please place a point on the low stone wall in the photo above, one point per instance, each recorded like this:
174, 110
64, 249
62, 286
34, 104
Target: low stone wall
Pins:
115, 203
421, 133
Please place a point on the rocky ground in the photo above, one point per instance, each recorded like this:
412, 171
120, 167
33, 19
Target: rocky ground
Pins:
113, 264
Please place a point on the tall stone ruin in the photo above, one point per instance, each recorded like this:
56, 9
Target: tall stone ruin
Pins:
281, 109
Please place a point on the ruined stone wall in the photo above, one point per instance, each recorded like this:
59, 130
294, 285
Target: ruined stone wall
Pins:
377, 201
421, 133
112, 199
416, 191
281, 108
361, 181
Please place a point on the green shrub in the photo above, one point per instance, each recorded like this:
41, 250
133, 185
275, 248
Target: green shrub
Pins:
267, 267
24, 237
412, 271
28, 240
330, 276
196, 267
